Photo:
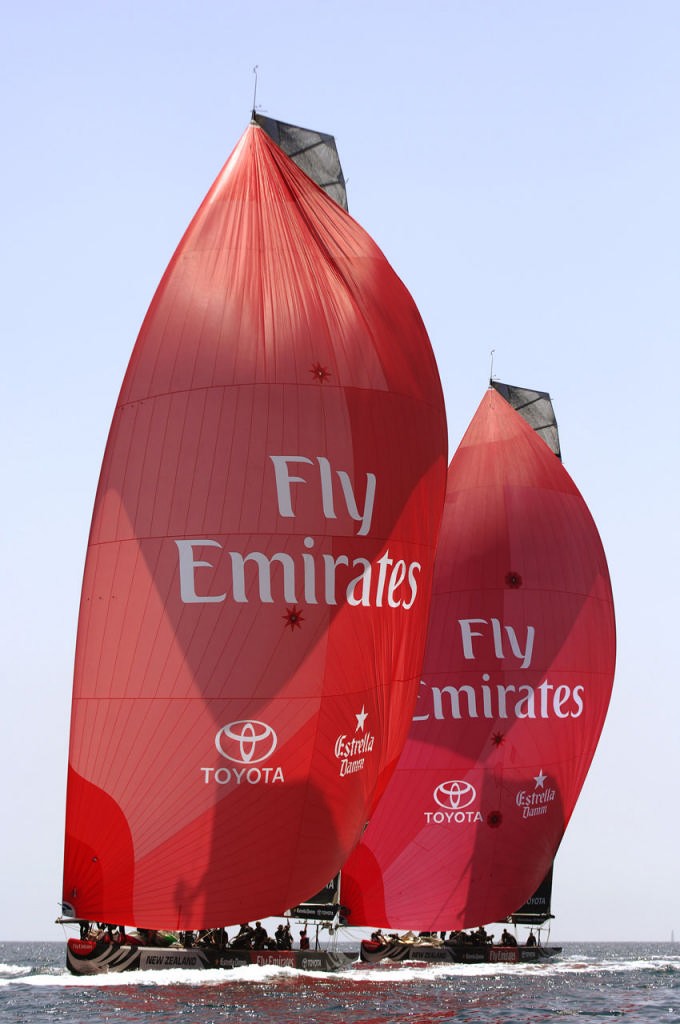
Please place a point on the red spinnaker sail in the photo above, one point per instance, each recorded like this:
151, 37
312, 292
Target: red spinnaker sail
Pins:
517, 679
258, 576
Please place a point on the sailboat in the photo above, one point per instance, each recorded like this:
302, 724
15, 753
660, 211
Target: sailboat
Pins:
517, 679
257, 582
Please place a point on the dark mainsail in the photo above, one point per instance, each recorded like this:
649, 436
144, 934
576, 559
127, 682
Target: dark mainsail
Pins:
322, 906
537, 409
314, 152
537, 909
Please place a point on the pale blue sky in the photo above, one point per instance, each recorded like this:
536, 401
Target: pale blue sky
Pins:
519, 165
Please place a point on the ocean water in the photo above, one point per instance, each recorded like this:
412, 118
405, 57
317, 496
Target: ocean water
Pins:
587, 983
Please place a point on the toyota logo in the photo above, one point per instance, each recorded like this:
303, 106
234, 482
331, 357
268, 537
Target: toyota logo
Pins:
454, 795
246, 742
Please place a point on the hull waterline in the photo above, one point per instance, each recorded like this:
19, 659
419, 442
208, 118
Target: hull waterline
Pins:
87, 957
410, 953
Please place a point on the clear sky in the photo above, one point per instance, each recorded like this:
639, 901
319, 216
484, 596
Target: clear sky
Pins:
518, 163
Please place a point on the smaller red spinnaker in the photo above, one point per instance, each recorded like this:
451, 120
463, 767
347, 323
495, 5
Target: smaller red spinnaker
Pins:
516, 684
258, 575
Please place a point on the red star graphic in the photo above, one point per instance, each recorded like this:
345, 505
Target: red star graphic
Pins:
293, 618
320, 373
497, 739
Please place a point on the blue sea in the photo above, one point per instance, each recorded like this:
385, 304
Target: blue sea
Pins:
590, 982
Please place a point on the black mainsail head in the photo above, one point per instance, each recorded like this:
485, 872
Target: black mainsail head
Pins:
315, 153
537, 409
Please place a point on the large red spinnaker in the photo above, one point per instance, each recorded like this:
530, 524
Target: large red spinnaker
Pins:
258, 575
517, 679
